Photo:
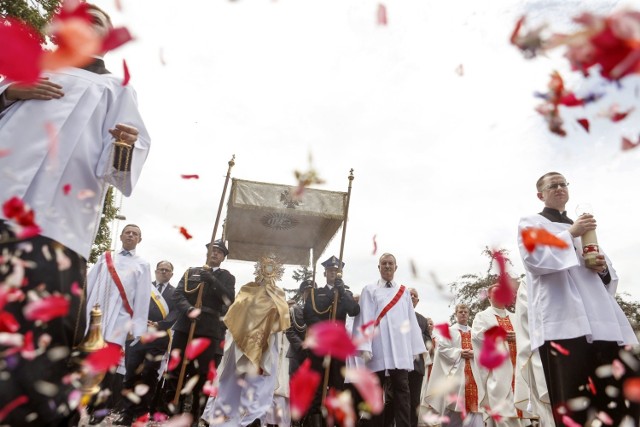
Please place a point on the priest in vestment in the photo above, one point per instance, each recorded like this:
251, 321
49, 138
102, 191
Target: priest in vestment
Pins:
495, 387
453, 374
248, 378
530, 393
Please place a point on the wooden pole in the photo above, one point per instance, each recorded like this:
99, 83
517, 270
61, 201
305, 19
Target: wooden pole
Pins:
334, 308
192, 327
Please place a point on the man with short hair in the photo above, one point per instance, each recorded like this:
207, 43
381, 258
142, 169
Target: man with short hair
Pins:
495, 387
64, 184
217, 296
119, 284
297, 332
387, 306
317, 308
454, 358
143, 359
572, 307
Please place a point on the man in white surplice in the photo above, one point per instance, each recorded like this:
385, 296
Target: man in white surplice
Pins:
495, 387
530, 393
453, 371
125, 307
574, 319
135, 275
396, 341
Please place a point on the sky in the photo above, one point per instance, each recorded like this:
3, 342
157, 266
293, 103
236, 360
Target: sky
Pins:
434, 112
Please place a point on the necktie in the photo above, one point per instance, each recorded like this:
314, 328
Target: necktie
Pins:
159, 286
389, 285
125, 253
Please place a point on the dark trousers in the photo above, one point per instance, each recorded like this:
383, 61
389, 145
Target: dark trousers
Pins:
415, 388
336, 380
398, 380
142, 362
568, 378
22, 376
198, 366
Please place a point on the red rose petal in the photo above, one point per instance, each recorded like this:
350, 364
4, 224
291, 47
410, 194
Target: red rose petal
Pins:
560, 349
584, 123
532, 237
382, 14
302, 389
194, 176
21, 51
9, 407
104, 359
47, 308
631, 389
196, 347
66, 189
330, 338
185, 233
127, 76
443, 329
116, 38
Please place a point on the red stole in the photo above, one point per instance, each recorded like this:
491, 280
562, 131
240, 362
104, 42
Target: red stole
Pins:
470, 387
505, 324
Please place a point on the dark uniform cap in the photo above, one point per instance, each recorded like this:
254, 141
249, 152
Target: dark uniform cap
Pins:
220, 245
333, 262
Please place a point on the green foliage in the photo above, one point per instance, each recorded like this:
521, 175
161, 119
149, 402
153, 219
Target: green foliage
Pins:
471, 289
631, 309
36, 13
301, 274
102, 242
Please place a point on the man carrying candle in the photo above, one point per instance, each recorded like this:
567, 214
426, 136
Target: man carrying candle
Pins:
574, 319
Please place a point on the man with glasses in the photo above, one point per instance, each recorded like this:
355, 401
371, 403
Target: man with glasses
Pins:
574, 319
143, 359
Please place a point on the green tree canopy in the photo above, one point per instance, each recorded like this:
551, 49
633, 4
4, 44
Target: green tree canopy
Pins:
37, 13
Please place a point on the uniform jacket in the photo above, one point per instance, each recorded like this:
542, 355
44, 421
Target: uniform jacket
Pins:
347, 306
216, 298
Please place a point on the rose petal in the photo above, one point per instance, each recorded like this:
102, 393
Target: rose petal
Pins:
21, 52
631, 389
104, 359
47, 308
560, 349
174, 359
443, 330
185, 233
194, 176
9, 407
368, 385
302, 389
330, 338
196, 347
127, 75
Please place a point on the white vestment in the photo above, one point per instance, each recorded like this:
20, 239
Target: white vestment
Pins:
495, 386
530, 395
66, 141
135, 275
566, 299
447, 377
280, 414
398, 338
243, 395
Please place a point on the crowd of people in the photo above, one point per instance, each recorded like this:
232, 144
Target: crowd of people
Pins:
197, 347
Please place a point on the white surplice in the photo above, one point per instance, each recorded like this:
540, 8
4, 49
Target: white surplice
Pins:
135, 275
398, 337
279, 414
530, 393
66, 141
567, 300
494, 387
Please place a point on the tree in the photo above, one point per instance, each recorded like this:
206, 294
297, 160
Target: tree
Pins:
301, 274
102, 241
631, 309
38, 13
471, 289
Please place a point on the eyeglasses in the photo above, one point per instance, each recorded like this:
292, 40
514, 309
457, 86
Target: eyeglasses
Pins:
414, 297
556, 186
164, 270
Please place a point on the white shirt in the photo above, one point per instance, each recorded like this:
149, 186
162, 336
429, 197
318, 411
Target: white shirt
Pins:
39, 166
135, 275
566, 299
398, 338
